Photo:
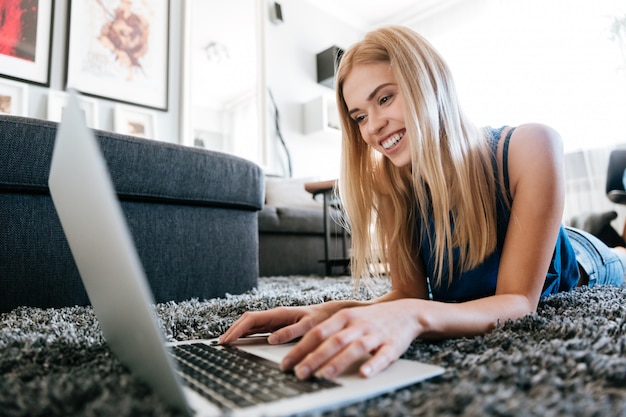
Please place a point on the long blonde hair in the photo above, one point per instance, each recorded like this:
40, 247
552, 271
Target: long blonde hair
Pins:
450, 180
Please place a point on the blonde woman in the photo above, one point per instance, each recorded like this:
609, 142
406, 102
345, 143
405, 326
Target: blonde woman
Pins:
467, 219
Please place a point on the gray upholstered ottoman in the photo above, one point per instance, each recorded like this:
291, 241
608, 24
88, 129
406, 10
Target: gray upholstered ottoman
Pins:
192, 214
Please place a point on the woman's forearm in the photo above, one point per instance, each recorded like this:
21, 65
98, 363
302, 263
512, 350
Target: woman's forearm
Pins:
438, 320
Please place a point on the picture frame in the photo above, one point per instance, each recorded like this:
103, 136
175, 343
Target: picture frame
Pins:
119, 49
13, 98
134, 121
57, 100
26, 41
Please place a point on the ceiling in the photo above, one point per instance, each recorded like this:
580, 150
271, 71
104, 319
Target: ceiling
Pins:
368, 14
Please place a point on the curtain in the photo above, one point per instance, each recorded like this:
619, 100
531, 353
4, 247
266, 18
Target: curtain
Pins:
241, 127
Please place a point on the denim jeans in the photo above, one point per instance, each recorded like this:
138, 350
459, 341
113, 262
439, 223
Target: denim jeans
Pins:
602, 264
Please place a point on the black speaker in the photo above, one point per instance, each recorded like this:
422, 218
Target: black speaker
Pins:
276, 13
327, 62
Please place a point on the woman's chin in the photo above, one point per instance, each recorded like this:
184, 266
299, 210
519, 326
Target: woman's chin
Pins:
400, 159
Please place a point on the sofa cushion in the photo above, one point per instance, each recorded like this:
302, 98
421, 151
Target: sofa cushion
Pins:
290, 192
291, 220
287, 220
167, 173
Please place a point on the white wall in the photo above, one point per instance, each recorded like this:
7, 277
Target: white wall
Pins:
292, 77
167, 121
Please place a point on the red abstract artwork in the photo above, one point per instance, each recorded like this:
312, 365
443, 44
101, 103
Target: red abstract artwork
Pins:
18, 28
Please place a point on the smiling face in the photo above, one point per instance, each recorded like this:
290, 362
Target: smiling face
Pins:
374, 103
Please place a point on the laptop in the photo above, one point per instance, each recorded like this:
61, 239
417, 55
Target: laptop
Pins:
181, 372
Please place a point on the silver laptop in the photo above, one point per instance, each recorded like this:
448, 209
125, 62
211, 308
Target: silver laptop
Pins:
182, 373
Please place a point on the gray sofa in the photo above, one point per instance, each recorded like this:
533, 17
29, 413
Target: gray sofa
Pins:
291, 232
192, 214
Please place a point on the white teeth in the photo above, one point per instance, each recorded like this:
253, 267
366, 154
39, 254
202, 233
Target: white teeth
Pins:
392, 140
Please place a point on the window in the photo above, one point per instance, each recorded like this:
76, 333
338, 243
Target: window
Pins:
548, 61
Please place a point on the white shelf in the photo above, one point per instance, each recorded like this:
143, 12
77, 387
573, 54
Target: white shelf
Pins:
321, 115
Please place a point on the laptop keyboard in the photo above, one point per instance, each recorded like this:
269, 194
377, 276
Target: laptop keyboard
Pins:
231, 378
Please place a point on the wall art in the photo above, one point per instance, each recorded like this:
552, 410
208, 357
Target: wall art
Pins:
118, 49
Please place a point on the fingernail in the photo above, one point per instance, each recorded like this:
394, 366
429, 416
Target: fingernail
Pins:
366, 370
303, 372
273, 339
326, 373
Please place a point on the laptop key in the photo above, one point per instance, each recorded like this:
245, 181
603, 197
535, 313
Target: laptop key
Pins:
231, 378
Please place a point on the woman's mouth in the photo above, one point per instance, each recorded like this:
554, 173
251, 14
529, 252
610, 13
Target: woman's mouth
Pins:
392, 141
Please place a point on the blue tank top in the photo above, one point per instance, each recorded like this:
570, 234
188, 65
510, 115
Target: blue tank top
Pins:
479, 282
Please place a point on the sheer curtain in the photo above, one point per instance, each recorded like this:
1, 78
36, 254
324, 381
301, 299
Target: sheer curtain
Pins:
556, 62
241, 124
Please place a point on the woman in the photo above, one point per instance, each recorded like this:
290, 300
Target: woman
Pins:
467, 219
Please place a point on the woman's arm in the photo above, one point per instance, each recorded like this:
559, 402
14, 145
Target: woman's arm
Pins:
289, 323
537, 186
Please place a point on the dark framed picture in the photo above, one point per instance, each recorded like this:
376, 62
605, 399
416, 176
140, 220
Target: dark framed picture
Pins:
26, 39
118, 49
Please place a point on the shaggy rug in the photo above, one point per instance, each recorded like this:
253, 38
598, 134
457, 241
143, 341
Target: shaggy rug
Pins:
568, 359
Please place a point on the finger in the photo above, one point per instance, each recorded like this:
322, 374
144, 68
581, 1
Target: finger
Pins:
304, 347
289, 333
260, 322
248, 323
385, 355
321, 347
236, 330
317, 335
354, 352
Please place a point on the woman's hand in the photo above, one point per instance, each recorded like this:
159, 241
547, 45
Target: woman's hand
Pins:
336, 334
384, 329
285, 323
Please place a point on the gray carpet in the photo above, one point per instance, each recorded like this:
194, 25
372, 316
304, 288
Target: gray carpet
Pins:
569, 359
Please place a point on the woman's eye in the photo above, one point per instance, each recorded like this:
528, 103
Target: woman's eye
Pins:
384, 99
359, 118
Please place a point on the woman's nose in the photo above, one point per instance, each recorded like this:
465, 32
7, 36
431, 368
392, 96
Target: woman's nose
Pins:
375, 122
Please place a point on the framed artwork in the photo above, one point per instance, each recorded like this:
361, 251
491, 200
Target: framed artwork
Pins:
57, 100
13, 98
118, 49
26, 40
135, 121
